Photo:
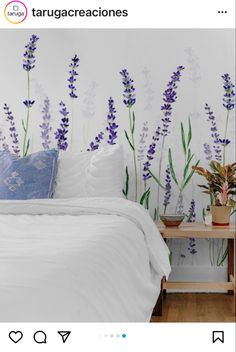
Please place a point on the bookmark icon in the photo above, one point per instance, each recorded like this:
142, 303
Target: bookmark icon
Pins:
64, 335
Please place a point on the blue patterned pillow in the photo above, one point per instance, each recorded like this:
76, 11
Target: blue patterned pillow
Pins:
30, 177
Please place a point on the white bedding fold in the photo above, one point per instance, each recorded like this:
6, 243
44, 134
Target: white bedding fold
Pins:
103, 257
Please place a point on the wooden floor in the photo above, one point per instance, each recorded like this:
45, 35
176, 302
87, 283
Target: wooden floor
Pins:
198, 307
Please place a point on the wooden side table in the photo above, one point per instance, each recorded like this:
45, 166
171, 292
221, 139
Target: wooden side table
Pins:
199, 230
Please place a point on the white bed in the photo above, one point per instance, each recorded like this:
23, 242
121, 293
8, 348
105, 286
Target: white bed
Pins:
79, 260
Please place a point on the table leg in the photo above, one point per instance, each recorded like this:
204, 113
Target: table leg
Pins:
230, 261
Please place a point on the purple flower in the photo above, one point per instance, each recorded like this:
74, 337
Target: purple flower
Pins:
150, 154
129, 90
192, 244
224, 142
228, 99
5, 146
167, 194
94, 145
13, 132
29, 103
142, 142
112, 126
214, 133
29, 58
192, 212
73, 73
169, 98
207, 151
62, 131
45, 126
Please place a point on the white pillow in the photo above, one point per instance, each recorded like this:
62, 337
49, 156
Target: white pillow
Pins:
91, 174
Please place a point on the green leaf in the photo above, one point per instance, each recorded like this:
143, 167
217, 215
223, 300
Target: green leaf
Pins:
232, 212
232, 203
133, 124
190, 175
223, 257
27, 148
189, 132
156, 179
145, 194
155, 214
170, 257
172, 167
147, 199
127, 137
23, 125
189, 154
126, 189
183, 138
187, 166
211, 198
203, 214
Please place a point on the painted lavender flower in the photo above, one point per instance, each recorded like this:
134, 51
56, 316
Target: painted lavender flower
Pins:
112, 126
28, 64
169, 98
214, 133
45, 126
142, 142
229, 96
72, 79
192, 246
207, 151
29, 57
228, 103
129, 100
94, 145
180, 204
3, 142
150, 154
167, 194
192, 212
62, 131
224, 142
29, 103
129, 90
12, 129
192, 218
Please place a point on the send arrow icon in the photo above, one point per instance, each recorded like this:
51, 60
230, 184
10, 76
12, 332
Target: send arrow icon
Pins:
64, 335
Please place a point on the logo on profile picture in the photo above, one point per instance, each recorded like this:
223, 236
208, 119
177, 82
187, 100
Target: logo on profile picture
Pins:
15, 12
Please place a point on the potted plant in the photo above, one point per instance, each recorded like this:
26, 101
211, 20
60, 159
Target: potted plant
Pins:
221, 185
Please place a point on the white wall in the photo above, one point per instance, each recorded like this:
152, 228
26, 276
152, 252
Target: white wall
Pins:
150, 57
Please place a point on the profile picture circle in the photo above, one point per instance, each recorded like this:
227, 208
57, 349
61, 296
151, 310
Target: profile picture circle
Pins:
15, 12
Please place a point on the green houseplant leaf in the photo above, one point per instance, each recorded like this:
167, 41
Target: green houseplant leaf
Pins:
172, 167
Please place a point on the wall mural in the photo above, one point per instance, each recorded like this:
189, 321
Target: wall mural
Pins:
154, 169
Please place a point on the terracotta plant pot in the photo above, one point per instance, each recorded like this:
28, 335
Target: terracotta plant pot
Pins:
220, 215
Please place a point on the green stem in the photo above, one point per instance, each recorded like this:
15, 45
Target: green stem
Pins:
134, 156
159, 177
71, 125
27, 118
226, 128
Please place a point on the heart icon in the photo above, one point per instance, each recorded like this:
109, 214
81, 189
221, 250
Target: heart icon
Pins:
15, 336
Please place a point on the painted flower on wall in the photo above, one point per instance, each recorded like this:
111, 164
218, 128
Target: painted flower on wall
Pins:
28, 65
112, 126
46, 125
12, 130
72, 78
62, 131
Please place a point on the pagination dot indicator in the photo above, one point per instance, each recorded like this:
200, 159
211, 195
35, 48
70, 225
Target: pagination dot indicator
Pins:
123, 336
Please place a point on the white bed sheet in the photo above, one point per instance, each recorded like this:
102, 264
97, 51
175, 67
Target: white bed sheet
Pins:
79, 260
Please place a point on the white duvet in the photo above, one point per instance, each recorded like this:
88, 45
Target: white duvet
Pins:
79, 260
